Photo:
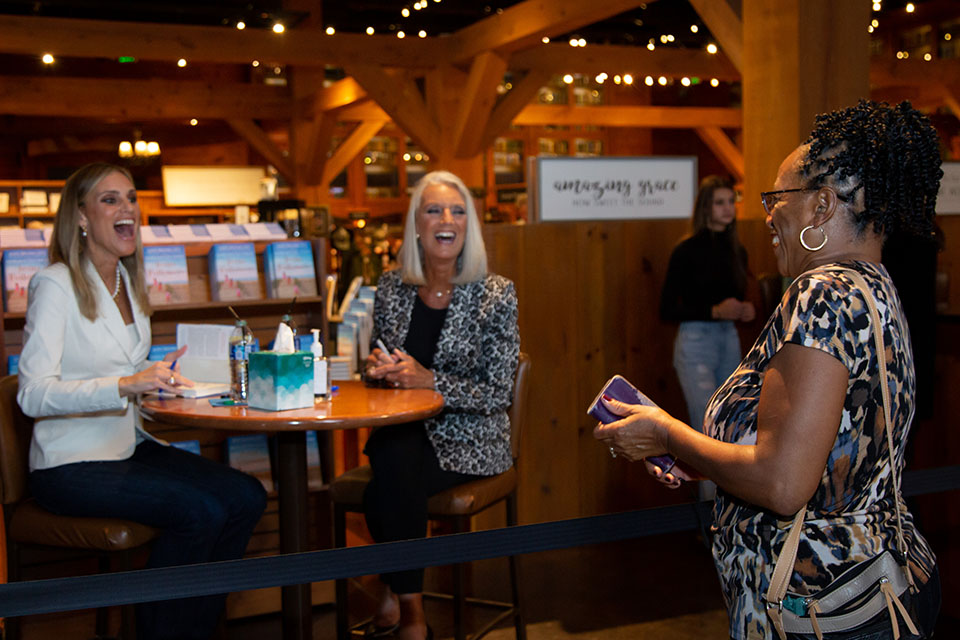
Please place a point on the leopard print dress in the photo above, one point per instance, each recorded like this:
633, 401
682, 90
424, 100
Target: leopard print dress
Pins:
474, 365
850, 517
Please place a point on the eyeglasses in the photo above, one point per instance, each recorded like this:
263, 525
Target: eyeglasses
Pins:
771, 198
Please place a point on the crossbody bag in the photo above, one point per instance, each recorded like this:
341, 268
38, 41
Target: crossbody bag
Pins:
862, 592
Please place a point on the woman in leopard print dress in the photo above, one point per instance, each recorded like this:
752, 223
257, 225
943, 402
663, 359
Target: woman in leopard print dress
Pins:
799, 423
450, 326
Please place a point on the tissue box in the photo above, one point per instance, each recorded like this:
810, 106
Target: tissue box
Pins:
280, 381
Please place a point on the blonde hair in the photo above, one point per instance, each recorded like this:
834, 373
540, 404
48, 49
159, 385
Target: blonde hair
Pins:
472, 262
67, 245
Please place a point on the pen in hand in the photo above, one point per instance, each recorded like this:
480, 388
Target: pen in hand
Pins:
172, 381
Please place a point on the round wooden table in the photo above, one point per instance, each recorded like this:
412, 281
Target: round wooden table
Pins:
352, 406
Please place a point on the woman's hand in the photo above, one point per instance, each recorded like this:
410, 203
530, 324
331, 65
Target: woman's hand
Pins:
163, 375
644, 431
404, 372
376, 361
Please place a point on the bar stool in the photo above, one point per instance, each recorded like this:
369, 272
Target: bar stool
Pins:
456, 505
30, 525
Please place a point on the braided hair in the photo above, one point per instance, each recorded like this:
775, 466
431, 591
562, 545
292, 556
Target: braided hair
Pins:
884, 162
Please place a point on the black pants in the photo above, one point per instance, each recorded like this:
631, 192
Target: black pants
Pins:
406, 473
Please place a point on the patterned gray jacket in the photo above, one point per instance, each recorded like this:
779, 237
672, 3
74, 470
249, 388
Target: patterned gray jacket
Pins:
474, 366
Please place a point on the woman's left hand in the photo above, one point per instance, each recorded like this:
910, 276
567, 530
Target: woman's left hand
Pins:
405, 373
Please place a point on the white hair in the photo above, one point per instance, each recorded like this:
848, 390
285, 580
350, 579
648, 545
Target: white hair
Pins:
472, 261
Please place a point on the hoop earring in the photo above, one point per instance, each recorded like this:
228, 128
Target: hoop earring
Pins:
804, 242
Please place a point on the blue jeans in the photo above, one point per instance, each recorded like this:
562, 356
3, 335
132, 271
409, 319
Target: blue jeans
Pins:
206, 512
704, 355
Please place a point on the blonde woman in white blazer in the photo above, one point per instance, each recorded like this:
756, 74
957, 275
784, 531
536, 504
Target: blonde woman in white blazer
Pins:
83, 365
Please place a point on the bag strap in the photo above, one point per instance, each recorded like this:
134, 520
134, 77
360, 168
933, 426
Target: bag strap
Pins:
788, 553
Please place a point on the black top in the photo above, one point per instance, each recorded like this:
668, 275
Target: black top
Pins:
704, 270
424, 332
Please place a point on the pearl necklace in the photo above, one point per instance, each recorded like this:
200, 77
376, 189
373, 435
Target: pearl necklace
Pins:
116, 287
440, 294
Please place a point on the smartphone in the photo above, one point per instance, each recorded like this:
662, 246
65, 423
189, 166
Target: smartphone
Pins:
619, 388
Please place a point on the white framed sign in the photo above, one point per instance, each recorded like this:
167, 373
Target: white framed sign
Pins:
615, 188
948, 200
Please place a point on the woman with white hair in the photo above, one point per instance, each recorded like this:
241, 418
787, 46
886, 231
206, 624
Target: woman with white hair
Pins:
450, 326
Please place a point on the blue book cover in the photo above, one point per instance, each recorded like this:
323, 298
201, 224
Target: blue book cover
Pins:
13, 363
193, 446
19, 265
251, 454
165, 273
233, 272
158, 351
289, 269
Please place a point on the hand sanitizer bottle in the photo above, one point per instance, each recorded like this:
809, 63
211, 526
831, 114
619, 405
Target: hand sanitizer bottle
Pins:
321, 370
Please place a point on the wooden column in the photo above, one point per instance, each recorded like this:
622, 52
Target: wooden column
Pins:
800, 58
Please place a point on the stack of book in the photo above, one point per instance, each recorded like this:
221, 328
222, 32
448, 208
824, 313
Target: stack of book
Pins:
19, 265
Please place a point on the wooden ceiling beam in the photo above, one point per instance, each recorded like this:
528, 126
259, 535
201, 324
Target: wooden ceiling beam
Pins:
403, 102
476, 102
524, 24
152, 41
259, 140
592, 59
349, 148
363, 110
631, 116
340, 94
510, 105
140, 99
725, 25
725, 149
322, 134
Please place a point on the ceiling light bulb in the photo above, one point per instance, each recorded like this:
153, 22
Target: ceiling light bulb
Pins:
241, 25
685, 81
670, 37
193, 122
568, 79
405, 12
401, 35
406, 157
255, 63
544, 39
369, 31
662, 80
599, 79
140, 147
876, 6
870, 29
47, 58
181, 63
627, 78
910, 7
574, 42
422, 33
875, 23
927, 57
694, 28
616, 79
663, 39
125, 150
712, 48
714, 82
331, 31
651, 46
582, 42
648, 81
153, 148
947, 36
278, 28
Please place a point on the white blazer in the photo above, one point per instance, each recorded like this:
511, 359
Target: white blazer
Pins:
69, 371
